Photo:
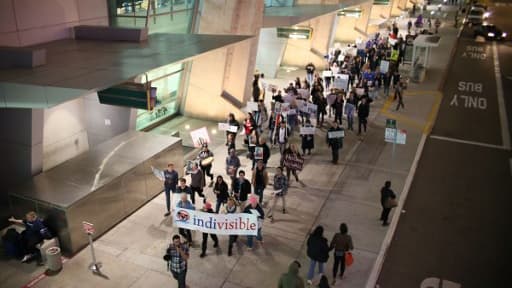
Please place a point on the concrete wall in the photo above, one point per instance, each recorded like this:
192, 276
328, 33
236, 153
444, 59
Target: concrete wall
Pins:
27, 22
21, 146
270, 52
349, 28
381, 11
299, 52
230, 68
64, 133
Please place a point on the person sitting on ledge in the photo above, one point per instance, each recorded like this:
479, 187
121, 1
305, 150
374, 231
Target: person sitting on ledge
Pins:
35, 232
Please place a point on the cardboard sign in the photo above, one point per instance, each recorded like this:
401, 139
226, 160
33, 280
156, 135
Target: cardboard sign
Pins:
200, 136
88, 228
258, 153
336, 134
312, 108
293, 162
226, 127
292, 112
384, 66
306, 130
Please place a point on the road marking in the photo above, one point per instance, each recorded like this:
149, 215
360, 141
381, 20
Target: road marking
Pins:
469, 142
505, 134
377, 266
433, 112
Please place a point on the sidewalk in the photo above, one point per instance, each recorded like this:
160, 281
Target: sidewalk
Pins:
132, 251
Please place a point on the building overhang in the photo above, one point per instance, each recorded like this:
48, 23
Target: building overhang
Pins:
78, 67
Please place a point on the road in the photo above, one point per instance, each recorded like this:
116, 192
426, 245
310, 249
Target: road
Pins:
455, 231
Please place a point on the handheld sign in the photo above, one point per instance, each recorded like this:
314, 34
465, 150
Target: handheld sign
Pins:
305, 130
336, 134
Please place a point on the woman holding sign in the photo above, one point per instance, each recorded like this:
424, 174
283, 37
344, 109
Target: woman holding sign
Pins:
308, 138
293, 161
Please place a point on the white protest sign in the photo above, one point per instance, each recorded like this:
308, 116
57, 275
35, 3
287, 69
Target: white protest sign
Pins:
305, 130
292, 112
252, 106
223, 126
312, 108
220, 224
336, 134
384, 66
200, 136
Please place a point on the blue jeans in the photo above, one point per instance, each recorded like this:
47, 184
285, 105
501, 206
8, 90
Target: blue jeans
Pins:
312, 265
258, 190
168, 190
259, 237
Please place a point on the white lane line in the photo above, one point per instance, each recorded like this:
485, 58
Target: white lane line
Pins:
377, 266
505, 134
469, 142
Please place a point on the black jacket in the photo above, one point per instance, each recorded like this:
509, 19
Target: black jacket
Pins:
364, 110
244, 189
222, 189
385, 194
318, 248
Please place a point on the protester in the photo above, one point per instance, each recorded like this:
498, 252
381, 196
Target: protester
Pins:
170, 182
221, 191
177, 256
350, 107
291, 279
280, 190
363, 112
310, 70
183, 188
231, 208
205, 158
259, 179
341, 243
386, 194
232, 122
317, 251
291, 153
34, 234
197, 183
308, 140
255, 208
184, 203
324, 282
242, 189
335, 143
262, 143
232, 166
249, 126
282, 136
338, 109
208, 209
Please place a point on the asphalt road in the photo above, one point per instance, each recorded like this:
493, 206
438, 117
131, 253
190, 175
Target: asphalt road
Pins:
456, 231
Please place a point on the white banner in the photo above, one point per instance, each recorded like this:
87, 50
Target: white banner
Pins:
304, 130
252, 106
336, 134
226, 127
220, 224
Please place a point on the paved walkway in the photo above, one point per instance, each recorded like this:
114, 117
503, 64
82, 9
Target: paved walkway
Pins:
349, 192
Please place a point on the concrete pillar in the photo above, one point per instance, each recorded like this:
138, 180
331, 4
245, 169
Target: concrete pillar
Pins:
228, 69
300, 52
397, 7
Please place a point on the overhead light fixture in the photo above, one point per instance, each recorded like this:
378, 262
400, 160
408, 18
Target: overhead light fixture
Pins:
295, 32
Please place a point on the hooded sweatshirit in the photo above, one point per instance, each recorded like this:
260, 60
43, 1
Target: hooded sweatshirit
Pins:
291, 279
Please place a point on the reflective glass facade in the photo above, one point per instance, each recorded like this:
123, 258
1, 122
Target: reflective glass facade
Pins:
279, 3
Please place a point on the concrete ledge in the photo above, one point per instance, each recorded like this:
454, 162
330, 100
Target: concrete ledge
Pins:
105, 33
11, 57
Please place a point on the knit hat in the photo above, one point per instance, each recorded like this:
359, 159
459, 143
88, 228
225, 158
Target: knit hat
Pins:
207, 206
253, 199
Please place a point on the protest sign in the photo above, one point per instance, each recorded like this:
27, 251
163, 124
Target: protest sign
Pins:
306, 130
292, 112
258, 153
293, 162
384, 66
252, 106
312, 108
336, 134
200, 136
223, 126
219, 224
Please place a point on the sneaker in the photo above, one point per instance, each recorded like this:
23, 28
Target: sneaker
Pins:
26, 258
333, 282
230, 253
249, 248
211, 184
167, 214
216, 245
271, 219
284, 211
385, 224
310, 283
202, 255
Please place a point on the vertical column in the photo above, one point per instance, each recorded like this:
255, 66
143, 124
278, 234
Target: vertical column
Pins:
361, 24
232, 67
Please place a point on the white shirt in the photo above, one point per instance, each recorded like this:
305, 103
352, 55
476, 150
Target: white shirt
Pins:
282, 135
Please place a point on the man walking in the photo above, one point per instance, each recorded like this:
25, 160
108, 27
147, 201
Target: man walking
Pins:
334, 141
291, 279
177, 255
184, 203
197, 183
259, 180
208, 209
363, 112
170, 183
386, 195
242, 189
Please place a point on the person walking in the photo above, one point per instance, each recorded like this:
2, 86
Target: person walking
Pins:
259, 180
207, 208
196, 183
242, 189
310, 71
231, 209
177, 255
386, 81
386, 195
341, 243
170, 182
335, 143
184, 203
280, 190
205, 158
308, 140
232, 166
399, 95
350, 107
282, 136
220, 189
317, 251
291, 279
338, 109
255, 208
232, 122
292, 152
363, 112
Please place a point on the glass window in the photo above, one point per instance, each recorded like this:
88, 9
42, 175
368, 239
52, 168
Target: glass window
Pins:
278, 3
167, 82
